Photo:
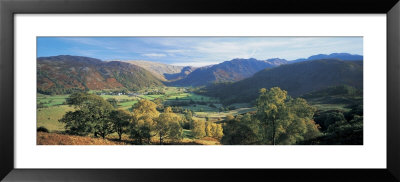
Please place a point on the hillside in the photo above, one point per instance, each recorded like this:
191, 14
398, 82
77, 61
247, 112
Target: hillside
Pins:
297, 79
228, 71
337, 98
64, 74
164, 71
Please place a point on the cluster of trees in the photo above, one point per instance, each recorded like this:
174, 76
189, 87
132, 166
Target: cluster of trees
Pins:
340, 128
207, 129
94, 115
279, 120
148, 122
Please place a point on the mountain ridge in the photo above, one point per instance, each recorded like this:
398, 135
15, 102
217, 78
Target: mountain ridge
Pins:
341, 56
233, 70
296, 78
66, 74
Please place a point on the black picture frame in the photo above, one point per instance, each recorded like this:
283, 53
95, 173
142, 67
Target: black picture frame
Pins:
8, 8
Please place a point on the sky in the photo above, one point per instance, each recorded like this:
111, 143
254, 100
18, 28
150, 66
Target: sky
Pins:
196, 51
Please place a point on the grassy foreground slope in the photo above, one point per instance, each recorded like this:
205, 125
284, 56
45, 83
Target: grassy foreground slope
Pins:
44, 138
60, 139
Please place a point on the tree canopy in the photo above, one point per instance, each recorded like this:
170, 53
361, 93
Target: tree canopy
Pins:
279, 120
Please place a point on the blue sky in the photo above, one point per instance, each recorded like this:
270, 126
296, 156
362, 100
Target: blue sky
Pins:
196, 51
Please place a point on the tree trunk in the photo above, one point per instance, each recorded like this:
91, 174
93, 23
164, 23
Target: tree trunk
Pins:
273, 132
160, 140
119, 134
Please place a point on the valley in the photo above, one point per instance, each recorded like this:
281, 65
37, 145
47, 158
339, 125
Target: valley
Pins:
217, 98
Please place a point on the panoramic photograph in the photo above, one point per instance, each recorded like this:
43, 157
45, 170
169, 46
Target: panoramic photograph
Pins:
199, 91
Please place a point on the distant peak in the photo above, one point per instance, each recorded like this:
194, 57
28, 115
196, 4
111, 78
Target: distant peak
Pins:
69, 58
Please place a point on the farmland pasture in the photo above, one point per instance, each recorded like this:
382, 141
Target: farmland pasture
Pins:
192, 96
51, 100
48, 117
150, 97
126, 105
215, 116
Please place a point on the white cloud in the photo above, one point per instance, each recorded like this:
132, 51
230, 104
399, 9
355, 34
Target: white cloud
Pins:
154, 55
211, 50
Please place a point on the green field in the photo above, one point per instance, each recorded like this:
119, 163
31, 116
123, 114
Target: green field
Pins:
51, 100
150, 97
126, 105
48, 117
215, 116
192, 96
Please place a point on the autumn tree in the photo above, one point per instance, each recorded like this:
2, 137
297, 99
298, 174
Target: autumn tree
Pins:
271, 112
143, 124
198, 130
208, 129
219, 131
167, 125
284, 120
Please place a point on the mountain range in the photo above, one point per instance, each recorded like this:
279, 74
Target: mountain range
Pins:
297, 78
341, 56
227, 71
64, 73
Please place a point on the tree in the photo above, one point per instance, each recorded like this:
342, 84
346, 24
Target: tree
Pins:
219, 131
143, 124
239, 131
188, 123
342, 133
209, 129
271, 112
328, 118
167, 125
91, 115
284, 120
113, 102
198, 130
76, 123
121, 120
300, 124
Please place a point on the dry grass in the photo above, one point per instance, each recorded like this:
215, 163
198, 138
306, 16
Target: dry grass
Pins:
61, 139
201, 141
